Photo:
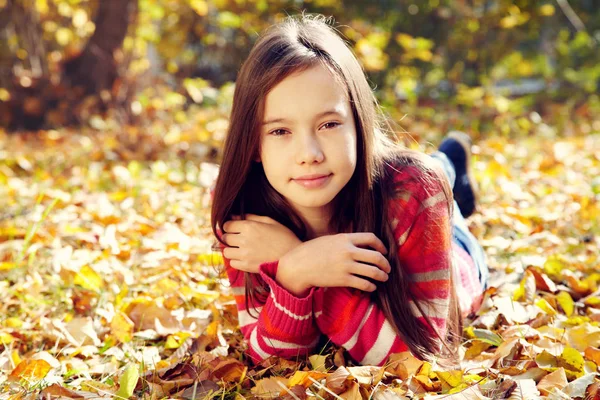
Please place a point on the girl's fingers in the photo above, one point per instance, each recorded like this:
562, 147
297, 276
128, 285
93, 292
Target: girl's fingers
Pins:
239, 265
229, 227
367, 239
259, 218
361, 284
369, 271
234, 226
231, 253
231, 239
372, 257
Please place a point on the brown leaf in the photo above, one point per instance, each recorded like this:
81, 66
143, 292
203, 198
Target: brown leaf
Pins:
269, 387
403, 365
56, 390
557, 380
592, 354
542, 281
147, 315
593, 391
229, 370
339, 381
298, 391
353, 393
200, 390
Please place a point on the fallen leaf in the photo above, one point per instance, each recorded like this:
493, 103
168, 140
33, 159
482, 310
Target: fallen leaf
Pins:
555, 380
578, 387
566, 303
121, 327
403, 365
317, 362
60, 392
303, 378
31, 370
89, 279
269, 387
592, 354
128, 381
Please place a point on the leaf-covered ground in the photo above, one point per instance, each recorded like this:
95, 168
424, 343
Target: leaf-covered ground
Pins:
109, 288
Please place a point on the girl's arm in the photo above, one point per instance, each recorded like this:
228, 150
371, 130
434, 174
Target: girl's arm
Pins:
283, 325
351, 319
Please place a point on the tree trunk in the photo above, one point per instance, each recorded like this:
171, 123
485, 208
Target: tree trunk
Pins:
95, 69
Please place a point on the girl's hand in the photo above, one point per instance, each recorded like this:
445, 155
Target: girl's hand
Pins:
334, 261
256, 240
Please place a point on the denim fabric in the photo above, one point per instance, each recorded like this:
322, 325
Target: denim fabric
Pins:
460, 231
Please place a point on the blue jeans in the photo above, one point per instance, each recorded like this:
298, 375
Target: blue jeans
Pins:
460, 231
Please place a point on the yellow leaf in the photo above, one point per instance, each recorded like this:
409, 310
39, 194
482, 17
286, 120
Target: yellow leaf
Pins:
318, 362
302, 378
547, 10
176, 340
128, 381
566, 303
87, 278
13, 322
476, 348
200, 7
450, 378
121, 327
571, 360
31, 370
593, 301
554, 266
6, 266
121, 295
546, 361
15, 357
545, 306
6, 338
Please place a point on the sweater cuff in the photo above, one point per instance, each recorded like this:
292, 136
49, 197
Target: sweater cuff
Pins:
288, 312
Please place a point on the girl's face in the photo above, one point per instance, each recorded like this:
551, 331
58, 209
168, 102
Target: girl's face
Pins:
308, 139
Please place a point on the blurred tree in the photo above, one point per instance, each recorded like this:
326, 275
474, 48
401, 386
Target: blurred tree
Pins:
95, 69
164, 55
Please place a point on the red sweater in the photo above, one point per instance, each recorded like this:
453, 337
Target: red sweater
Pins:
289, 326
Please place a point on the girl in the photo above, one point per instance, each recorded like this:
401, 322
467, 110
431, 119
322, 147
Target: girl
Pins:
327, 226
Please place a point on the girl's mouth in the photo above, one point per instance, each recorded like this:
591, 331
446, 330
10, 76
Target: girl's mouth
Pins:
313, 182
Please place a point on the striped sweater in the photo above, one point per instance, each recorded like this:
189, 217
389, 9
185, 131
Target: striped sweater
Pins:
289, 326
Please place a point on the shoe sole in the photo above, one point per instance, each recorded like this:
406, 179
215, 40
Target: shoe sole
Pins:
465, 141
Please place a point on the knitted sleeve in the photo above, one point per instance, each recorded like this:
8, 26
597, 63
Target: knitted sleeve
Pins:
283, 325
421, 225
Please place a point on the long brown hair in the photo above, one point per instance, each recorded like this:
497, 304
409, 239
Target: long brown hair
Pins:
294, 45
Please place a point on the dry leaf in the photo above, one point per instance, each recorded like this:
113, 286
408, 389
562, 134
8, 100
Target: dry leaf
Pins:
269, 387
303, 378
122, 327
55, 390
31, 370
553, 381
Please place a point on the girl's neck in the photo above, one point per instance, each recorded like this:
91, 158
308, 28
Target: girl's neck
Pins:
317, 223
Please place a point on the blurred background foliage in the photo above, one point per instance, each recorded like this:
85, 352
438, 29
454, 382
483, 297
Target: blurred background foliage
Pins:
169, 65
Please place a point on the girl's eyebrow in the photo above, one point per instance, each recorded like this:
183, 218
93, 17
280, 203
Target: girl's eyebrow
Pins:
318, 116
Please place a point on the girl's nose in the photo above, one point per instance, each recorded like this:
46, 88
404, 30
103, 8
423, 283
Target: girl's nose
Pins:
308, 150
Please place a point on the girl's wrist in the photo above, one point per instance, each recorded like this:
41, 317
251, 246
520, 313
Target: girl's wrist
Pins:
291, 280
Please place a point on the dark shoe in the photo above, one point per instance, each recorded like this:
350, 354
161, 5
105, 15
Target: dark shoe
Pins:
457, 147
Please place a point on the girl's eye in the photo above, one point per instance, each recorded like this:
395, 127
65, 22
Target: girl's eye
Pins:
330, 125
278, 132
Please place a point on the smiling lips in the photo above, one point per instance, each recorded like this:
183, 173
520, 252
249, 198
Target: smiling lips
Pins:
312, 181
